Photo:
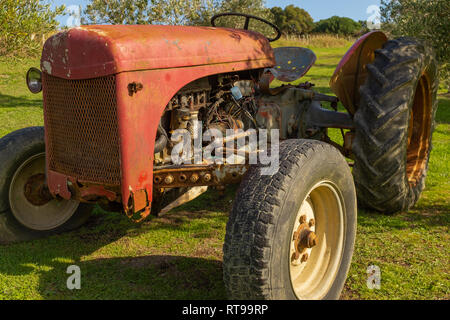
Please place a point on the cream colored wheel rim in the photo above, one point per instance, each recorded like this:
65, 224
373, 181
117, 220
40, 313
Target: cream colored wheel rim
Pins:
313, 278
48, 216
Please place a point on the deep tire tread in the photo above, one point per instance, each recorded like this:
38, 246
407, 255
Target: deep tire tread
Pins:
382, 121
256, 210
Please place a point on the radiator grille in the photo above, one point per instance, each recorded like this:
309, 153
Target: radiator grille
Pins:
82, 130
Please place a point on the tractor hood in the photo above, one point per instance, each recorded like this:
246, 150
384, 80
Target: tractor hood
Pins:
96, 51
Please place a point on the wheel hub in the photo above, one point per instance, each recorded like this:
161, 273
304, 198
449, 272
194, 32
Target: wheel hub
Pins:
316, 243
304, 239
30, 200
36, 190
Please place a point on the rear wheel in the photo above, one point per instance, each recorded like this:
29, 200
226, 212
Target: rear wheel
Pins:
27, 209
291, 235
394, 125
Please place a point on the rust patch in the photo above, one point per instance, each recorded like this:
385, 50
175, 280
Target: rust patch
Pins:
419, 132
36, 190
140, 200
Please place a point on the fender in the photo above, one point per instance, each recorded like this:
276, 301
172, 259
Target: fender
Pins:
351, 71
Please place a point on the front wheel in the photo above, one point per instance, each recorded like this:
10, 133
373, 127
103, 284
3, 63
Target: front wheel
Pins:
291, 235
27, 210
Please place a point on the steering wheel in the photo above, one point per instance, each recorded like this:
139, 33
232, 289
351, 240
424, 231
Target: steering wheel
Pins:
247, 20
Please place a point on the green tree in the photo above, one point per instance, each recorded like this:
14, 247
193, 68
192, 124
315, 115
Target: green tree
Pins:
338, 25
293, 20
23, 23
118, 12
143, 11
175, 12
364, 27
253, 7
426, 19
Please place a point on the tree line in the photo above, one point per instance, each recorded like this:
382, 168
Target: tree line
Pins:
291, 20
22, 21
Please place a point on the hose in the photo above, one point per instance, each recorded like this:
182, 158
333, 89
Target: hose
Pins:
162, 140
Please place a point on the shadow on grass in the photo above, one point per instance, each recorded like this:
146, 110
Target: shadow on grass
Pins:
7, 101
147, 275
443, 110
420, 216
140, 277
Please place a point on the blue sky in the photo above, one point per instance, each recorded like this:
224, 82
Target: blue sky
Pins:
322, 9
318, 9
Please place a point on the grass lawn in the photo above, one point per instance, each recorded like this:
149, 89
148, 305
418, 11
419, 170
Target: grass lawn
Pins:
179, 256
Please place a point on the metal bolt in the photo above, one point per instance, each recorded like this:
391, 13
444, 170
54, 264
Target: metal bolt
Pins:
194, 178
168, 179
312, 239
207, 177
304, 257
312, 223
182, 177
157, 179
295, 256
302, 219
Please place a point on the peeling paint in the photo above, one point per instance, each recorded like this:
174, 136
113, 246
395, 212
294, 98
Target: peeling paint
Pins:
97, 31
47, 67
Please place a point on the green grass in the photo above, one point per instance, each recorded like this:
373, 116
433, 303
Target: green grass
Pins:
179, 256
19, 108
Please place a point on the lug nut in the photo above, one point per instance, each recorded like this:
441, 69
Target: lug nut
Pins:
168, 179
312, 223
302, 219
304, 257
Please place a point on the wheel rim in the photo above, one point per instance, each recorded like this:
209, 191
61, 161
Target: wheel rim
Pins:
419, 131
32, 206
312, 278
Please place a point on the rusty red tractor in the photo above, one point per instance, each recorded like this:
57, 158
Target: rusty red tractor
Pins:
115, 96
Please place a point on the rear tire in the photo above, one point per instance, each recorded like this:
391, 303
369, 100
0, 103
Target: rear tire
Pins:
16, 150
260, 262
394, 125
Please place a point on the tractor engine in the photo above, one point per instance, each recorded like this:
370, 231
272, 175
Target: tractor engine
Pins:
223, 102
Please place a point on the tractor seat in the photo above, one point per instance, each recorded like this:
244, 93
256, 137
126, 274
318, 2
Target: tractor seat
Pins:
292, 63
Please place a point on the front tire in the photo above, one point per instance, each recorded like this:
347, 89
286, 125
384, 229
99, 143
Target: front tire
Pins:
272, 216
26, 210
